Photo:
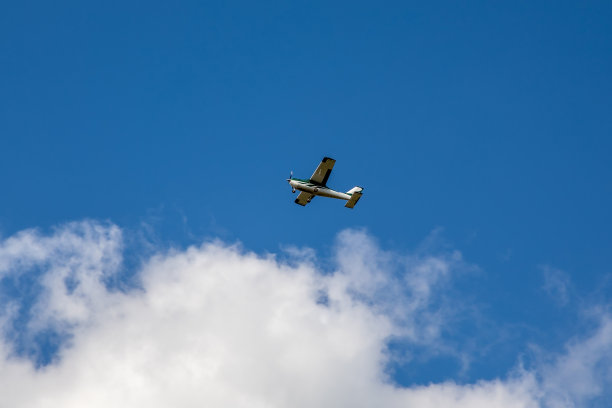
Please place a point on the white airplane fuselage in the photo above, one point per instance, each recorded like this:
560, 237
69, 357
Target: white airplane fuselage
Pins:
316, 189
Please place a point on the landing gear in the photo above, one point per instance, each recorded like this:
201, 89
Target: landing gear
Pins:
293, 190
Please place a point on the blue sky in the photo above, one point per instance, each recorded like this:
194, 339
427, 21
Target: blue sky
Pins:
479, 128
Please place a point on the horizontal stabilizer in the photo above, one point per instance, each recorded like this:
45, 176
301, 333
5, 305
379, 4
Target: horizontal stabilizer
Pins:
353, 200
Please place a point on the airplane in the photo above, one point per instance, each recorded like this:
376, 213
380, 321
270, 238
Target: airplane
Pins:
317, 185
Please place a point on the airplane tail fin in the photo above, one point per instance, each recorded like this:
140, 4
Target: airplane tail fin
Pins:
355, 194
355, 189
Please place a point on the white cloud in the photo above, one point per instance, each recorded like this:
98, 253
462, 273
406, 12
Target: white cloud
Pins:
74, 260
217, 326
556, 284
584, 371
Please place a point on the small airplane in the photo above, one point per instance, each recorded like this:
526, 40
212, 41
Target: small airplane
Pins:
317, 185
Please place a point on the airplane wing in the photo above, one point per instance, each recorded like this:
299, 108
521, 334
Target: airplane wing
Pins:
303, 198
321, 174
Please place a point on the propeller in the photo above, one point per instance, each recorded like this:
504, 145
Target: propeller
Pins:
289, 180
